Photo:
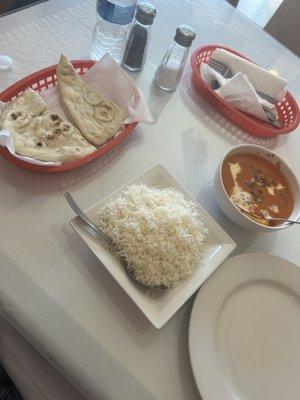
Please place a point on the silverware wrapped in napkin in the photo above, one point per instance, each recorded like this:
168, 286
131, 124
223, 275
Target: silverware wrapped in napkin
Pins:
245, 85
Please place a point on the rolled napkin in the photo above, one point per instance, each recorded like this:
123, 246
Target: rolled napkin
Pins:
240, 90
262, 79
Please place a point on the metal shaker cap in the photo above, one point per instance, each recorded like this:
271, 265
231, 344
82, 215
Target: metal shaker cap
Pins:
184, 35
145, 13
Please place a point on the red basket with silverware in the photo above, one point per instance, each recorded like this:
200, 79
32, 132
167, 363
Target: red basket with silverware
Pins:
288, 110
44, 79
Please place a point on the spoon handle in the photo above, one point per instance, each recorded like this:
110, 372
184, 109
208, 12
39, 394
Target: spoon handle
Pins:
285, 220
80, 213
290, 221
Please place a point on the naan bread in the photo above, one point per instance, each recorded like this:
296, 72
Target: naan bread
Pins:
41, 133
97, 118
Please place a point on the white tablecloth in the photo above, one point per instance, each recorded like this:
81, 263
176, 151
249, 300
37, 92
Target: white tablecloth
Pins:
52, 289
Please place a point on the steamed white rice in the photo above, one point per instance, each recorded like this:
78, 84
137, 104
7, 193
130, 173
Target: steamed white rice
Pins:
158, 232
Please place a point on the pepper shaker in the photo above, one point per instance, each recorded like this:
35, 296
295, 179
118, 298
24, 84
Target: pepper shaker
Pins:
138, 38
170, 70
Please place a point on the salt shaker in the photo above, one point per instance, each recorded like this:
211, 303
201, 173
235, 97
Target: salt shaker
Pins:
170, 70
138, 38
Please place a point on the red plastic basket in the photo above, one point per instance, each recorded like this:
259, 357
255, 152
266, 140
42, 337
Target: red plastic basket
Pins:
44, 79
288, 110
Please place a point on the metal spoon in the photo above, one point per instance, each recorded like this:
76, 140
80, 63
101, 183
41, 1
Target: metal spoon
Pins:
271, 219
81, 214
72, 203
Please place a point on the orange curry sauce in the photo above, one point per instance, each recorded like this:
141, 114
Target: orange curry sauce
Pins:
257, 185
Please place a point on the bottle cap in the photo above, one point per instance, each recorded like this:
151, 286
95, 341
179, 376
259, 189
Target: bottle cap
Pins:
5, 63
184, 35
145, 13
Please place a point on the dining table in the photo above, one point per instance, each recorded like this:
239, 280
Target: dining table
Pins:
54, 293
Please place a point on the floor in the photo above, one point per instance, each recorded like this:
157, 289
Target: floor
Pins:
258, 11
7, 388
14, 5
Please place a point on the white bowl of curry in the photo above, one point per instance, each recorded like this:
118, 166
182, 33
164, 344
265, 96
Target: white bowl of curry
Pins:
253, 180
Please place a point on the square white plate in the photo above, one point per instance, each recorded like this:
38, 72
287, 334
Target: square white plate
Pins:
159, 305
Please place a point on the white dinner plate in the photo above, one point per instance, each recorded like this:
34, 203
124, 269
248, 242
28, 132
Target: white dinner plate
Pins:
159, 305
244, 336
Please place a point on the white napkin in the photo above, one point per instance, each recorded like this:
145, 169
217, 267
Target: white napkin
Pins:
107, 78
262, 79
240, 89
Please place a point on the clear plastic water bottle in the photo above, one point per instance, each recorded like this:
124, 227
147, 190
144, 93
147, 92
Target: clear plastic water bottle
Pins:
113, 20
